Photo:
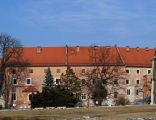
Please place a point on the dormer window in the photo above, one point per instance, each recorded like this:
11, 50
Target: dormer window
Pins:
38, 50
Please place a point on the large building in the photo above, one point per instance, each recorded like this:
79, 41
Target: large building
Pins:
27, 78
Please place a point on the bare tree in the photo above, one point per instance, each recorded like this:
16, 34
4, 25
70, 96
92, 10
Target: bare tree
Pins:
107, 69
10, 52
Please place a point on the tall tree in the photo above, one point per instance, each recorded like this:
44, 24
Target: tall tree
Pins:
71, 81
99, 92
10, 52
107, 70
49, 80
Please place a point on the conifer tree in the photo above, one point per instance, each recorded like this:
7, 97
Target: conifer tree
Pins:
71, 81
49, 80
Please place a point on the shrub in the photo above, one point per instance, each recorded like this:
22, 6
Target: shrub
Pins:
122, 101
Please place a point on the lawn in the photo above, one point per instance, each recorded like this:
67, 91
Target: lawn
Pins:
105, 113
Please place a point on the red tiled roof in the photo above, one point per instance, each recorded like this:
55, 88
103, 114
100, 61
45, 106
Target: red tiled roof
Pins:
30, 89
137, 56
76, 56
56, 56
48, 56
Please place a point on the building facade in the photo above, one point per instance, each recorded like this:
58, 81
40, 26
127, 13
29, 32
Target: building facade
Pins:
136, 64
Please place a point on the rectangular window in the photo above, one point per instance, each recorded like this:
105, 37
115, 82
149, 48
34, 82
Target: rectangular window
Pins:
127, 81
137, 82
58, 81
14, 81
83, 71
58, 70
128, 91
149, 71
28, 81
138, 71
83, 96
13, 96
30, 70
127, 71
116, 81
137, 92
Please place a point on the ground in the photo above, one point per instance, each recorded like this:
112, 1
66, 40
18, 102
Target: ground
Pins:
105, 113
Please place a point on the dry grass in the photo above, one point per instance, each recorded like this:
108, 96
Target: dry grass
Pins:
106, 113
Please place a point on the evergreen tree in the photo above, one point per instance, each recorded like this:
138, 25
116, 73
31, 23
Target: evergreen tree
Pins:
49, 80
99, 92
71, 81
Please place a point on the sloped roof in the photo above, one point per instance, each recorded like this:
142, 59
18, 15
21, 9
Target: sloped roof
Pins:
140, 57
89, 55
30, 89
76, 55
48, 56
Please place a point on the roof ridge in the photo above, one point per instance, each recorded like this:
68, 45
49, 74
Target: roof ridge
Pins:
120, 55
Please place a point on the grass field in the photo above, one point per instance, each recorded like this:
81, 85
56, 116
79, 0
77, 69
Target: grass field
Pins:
105, 113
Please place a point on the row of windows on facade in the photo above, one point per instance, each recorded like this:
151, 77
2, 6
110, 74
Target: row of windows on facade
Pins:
13, 96
138, 71
128, 92
137, 82
27, 82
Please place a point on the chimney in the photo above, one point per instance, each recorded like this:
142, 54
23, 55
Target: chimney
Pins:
146, 48
137, 48
78, 48
127, 48
38, 50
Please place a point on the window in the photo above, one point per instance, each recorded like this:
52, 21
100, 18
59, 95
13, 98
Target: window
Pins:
138, 71
28, 81
128, 91
137, 81
94, 71
149, 71
83, 71
127, 81
116, 81
83, 96
93, 81
58, 81
13, 97
115, 94
14, 81
83, 81
13, 71
137, 92
30, 70
30, 96
58, 70
127, 71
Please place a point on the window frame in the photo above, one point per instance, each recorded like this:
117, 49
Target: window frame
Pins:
138, 73
58, 71
128, 81
128, 71
128, 91
13, 81
13, 96
83, 96
27, 81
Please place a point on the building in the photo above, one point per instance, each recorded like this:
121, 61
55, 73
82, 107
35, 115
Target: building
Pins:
28, 78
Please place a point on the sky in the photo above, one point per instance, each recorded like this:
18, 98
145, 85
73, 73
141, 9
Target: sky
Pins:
80, 22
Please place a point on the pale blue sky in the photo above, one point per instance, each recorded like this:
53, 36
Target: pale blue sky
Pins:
80, 22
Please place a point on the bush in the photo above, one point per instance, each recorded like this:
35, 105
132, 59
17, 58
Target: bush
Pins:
54, 98
122, 101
